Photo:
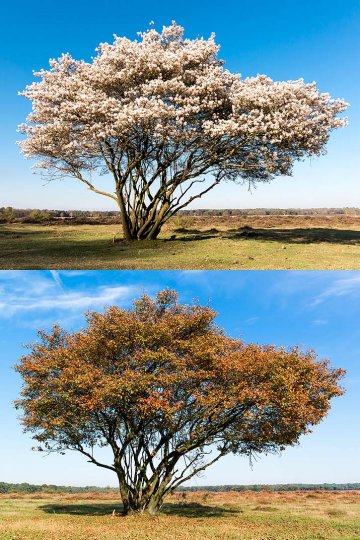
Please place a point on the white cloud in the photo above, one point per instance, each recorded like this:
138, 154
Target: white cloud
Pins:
29, 291
319, 322
251, 320
315, 287
56, 277
347, 286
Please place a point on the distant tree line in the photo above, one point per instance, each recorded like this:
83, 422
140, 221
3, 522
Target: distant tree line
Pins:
30, 215
33, 215
51, 488
274, 212
276, 487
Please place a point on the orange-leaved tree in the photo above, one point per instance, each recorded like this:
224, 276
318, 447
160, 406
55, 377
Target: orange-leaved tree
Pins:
169, 392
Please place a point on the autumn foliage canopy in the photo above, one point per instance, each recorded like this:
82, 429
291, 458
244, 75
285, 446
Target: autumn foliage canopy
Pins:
169, 392
164, 118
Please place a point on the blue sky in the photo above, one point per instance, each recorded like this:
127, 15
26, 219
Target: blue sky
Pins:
317, 310
285, 40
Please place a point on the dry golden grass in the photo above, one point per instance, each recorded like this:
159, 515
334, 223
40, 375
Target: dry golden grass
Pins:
191, 516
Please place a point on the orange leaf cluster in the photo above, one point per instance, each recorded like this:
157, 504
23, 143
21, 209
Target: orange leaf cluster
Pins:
170, 367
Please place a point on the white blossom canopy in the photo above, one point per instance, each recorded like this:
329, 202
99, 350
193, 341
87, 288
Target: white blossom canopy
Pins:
161, 112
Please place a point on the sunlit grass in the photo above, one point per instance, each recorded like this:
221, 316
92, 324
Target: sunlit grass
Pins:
198, 516
246, 243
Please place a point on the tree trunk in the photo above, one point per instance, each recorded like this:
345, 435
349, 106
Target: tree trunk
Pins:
135, 233
134, 503
146, 497
124, 217
149, 229
154, 505
151, 234
125, 227
151, 506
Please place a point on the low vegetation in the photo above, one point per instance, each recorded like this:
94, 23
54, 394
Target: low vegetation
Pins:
28, 215
6, 487
189, 242
314, 515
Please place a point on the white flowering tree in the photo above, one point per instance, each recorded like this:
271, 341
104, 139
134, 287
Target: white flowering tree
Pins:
169, 123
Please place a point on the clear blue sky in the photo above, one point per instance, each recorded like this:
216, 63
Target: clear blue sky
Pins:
317, 310
318, 40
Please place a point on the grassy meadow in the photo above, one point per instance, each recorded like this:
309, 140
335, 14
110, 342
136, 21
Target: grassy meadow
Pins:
244, 242
248, 515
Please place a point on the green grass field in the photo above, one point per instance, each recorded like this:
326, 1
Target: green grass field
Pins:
200, 516
246, 243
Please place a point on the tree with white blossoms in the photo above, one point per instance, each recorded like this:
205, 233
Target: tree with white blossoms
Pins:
169, 123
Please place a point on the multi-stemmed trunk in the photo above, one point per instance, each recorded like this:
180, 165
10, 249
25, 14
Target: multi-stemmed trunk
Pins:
147, 500
147, 228
141, 506
132, 231
144, 214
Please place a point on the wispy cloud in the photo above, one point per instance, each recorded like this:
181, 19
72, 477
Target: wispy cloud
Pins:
56, 278
310, 289
341, 287
251, 320
45, 291
319, 322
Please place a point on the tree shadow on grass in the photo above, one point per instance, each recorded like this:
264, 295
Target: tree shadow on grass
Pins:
293, 236
196, 510
191, 510
88, 509
38, 249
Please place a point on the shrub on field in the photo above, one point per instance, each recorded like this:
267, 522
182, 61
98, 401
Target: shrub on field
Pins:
181, 222
7, 215
39, 216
